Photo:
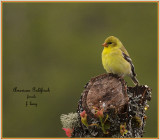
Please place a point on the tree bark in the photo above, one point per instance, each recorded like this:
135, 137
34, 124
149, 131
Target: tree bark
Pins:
121, 109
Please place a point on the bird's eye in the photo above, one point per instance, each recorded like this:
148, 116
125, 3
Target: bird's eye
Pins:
109, 43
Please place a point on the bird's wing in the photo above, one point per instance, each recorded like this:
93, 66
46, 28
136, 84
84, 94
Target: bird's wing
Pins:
127, 58
124, 50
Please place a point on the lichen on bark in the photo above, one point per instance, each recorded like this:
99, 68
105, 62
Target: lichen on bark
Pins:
112, 109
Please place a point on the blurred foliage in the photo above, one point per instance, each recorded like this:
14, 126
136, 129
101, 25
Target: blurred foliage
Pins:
58, 45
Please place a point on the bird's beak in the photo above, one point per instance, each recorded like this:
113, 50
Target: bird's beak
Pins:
104, 45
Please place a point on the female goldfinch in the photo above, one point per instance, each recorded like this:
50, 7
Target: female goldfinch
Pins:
116, 60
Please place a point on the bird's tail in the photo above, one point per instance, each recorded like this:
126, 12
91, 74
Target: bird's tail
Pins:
134, 79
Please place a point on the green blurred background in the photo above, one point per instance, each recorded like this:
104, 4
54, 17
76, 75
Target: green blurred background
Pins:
58, 45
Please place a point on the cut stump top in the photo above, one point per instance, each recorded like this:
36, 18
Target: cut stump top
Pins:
105, 91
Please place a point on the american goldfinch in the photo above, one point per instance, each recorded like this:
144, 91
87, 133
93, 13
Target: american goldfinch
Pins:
116, 60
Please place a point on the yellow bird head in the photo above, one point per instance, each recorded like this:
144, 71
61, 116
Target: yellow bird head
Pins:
112, 41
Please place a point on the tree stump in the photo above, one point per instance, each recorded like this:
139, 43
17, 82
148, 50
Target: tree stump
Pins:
125, 107
109, 108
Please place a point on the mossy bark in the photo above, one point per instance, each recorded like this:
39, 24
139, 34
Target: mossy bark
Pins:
123, 108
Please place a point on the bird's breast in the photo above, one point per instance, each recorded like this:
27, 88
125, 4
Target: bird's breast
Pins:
114, 62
